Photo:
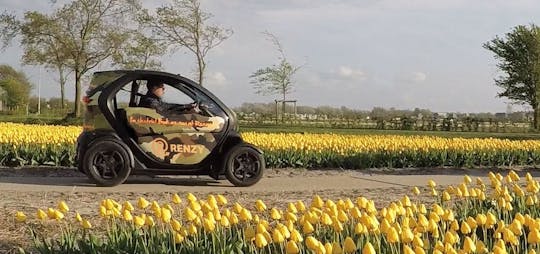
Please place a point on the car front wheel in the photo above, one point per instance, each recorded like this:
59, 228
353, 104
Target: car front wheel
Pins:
107, 163
244, 165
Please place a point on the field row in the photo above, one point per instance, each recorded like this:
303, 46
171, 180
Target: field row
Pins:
55, 145
499, 216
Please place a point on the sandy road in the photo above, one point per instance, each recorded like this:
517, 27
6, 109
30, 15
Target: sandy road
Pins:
274, 181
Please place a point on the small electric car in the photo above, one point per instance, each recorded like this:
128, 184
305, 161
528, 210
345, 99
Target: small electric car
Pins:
120, 138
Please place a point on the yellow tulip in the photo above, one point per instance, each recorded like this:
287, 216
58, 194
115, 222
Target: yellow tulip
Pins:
499, 250
468, 245
58, 215
178, 238
274, 214
142, 203
78, 217
292, 247
311, 243
128, 206
534, 236
292, 208
277, 237
191, 197
407, 235
431, 183
192, 230
307, 228
296, 236
349, 246
166, 215
317, 202
86, 224
189, 215
465, 229
138, 221
336, 248
407, 249
209, 225
368, 249
221, 199
302, 207
20, 216
149, 221
260, 241
224, 222
245, 215
176, 199
176, 225
126, 214
62, 206
41, 215
259, 204
416, 191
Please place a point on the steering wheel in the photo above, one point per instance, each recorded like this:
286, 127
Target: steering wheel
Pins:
203, 108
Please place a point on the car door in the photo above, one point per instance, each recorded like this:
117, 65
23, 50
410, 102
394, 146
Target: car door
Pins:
176, 137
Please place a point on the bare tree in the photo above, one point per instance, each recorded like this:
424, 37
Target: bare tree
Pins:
184, 24
278, 78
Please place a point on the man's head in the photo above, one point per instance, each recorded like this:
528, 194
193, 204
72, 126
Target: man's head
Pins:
155, 87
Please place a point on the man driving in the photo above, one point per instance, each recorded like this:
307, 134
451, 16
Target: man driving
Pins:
152, 99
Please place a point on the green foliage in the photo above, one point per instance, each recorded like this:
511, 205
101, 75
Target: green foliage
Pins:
518, 54
14, 87
140, 52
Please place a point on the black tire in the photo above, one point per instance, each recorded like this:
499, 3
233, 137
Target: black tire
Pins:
244, 165
107, 163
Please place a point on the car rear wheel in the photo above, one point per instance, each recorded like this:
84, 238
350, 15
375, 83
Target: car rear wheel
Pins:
107, 163
244, 166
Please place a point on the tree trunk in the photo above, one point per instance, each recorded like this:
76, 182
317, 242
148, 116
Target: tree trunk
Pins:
536, 118
201, 66
77, 109
62, 87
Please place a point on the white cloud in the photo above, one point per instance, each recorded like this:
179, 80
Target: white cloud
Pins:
412, 77
217, 79
347, 72
419, 77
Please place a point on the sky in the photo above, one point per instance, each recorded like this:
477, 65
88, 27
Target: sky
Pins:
355, 53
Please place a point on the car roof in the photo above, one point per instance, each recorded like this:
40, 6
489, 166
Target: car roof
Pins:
103, 78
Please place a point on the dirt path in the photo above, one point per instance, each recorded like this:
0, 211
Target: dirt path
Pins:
27, 189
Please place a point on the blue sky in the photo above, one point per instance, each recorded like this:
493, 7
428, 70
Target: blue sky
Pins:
359, 54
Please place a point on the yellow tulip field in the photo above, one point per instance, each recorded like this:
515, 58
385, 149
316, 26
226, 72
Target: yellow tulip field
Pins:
499, 216
55, 145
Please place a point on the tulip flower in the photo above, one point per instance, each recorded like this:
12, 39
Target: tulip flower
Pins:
292, 247
176, 199
86, 224
349, 246
178, 238
260, 241
62, 206
259, 204
142, 203
368, 249
20, 217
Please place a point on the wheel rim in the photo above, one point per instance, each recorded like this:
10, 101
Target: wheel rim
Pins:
108, 164
246, 166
